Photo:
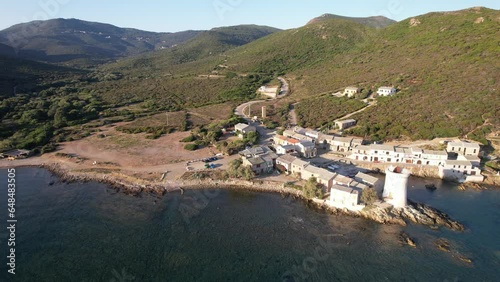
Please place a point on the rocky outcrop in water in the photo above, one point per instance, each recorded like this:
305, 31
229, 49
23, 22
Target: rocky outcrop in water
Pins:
414, 213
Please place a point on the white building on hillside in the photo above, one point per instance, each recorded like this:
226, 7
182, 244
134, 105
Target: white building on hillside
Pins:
386, 91
464, 148
351, 91
242, 129
344, 124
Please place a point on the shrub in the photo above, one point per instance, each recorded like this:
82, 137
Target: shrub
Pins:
191, 147
188, 139
369, 196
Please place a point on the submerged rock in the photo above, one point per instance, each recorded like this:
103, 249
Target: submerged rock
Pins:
442, 245
407, 239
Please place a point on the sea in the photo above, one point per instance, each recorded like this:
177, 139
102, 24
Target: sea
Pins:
92, 232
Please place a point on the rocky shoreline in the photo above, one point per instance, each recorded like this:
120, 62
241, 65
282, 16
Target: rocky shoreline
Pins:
414, 213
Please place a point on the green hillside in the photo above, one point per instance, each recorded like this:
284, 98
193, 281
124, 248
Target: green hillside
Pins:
377, 21
445, 65
76, 41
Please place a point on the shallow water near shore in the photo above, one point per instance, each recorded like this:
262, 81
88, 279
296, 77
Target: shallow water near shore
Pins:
90, 232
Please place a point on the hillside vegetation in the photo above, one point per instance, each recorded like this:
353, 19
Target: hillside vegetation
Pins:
81, 42
377, 21
445, 66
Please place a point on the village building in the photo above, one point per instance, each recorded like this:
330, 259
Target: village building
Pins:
386, 91
463, 148
298, 167
475, 161
285, 149
339, 179
271, 91
460, 171
389, 154
341, 144
344, 124
284, 163
343, 197
296, 135
351, 91
241, 129
306, 149
15, 154
367, 179
322, 176
260, 159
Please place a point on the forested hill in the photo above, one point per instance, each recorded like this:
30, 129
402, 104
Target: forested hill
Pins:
82, 42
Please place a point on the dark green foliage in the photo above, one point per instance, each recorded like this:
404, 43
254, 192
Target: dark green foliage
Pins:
191, 147
251, 138
188, 139
480, 134
237, 170
369, 196
312, 189
316, 112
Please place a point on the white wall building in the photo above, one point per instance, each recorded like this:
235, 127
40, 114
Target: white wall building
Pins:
344, 197
396, 186
343, 124
460, 171
402, 155
386, 91
351, 91
242, 128
464, 148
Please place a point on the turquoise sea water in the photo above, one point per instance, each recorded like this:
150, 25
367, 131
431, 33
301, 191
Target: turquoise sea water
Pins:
89, 232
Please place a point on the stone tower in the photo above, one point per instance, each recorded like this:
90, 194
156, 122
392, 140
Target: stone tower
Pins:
396, 186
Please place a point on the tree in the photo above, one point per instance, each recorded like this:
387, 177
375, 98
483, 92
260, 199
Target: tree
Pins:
311, 189
369, 196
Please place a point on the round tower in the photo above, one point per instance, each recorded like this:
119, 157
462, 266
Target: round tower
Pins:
396, 186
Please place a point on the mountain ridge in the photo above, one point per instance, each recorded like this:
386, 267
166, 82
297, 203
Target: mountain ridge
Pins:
374, 21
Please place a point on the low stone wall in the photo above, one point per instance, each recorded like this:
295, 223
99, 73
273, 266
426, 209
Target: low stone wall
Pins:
415, 170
